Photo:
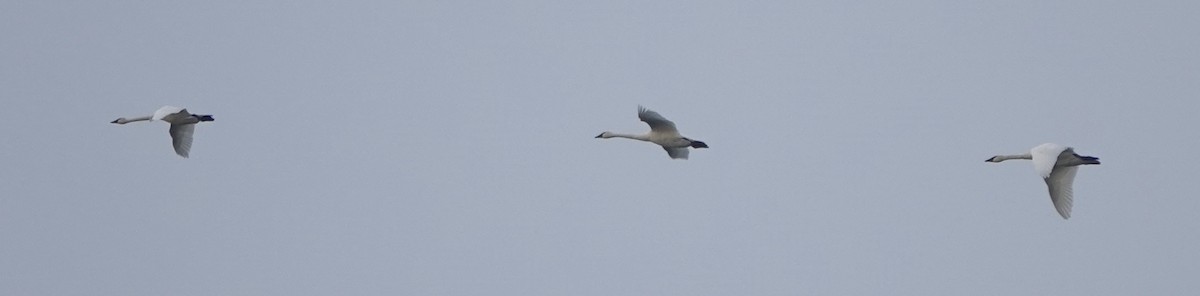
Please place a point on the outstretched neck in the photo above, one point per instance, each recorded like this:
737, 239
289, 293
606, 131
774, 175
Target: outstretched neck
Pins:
1000, 158
628, 136
124, 120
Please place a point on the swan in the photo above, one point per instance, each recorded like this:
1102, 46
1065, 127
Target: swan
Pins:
1057, 165
662, 132
182, 125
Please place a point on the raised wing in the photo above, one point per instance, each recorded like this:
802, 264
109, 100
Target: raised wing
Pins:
1045, 156
658, 123
168, 113
1059, 182
181, 138
677, 153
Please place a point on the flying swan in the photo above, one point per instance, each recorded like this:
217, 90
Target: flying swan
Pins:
1056, 164
662, 132
182, 125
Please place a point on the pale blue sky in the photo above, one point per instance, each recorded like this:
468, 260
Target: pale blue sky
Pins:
446, 148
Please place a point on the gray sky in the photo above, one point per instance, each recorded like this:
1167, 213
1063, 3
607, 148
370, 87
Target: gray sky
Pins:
445, 148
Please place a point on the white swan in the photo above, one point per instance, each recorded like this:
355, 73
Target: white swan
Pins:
662, 132
1056, 164
182, 125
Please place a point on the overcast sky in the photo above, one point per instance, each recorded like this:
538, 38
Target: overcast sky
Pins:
446, 148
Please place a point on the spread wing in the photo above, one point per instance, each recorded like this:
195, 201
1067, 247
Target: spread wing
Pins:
1059, 182
1045, 156
169, 113
658, 123
677, 153
181, 138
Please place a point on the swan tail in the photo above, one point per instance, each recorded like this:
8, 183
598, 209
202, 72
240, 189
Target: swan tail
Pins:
204, 117
698, 144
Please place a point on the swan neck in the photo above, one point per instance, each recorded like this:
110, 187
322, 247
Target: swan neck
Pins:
628, 136
128, 120
1014, 156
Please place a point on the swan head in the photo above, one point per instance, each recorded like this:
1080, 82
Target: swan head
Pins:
605, 135
121, 120
996, 158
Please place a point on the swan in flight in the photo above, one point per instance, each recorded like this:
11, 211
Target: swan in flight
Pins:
182, 125
662, 132
1056, 164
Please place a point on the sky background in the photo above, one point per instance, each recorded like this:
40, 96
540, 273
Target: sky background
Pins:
446, 147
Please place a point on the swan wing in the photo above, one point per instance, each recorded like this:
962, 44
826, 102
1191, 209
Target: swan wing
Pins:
1045, 156
168, 113
677, 153
658, 123
181, 138
1060, 184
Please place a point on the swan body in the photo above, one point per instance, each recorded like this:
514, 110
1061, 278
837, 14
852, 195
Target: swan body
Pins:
183, 124
662, 132
1056, 164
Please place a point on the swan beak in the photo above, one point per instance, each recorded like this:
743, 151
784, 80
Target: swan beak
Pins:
597, 136
114, 121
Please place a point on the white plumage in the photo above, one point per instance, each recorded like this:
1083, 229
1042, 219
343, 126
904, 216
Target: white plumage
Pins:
183, 125
662, 132
1056, 164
